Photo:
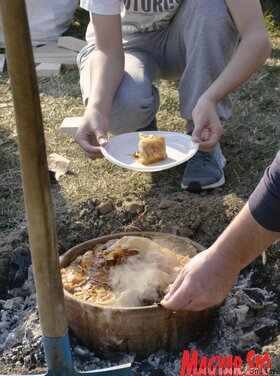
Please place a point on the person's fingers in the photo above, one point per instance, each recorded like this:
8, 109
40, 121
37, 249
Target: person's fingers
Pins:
94, 154
91, 151
183, 301
181, 298
102, 140
100, 137
89, 143
176, 284
197, 304
203, 301
86, 145
207, 147
208, 144
204, 145
174, 305
196, 137
205, 135
188, 298
200, 133
174, 288
208, 135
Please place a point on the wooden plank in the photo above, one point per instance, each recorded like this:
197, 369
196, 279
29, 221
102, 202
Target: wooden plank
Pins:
71, 43
48, 69
53, 48
2, 62
51, 53
70, 125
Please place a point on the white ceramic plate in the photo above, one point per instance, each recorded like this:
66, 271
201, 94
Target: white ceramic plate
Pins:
120, 149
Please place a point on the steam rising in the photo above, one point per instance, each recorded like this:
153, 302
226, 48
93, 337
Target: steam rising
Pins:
143, 279
129, 272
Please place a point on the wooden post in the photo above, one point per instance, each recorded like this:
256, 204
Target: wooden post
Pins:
37, 196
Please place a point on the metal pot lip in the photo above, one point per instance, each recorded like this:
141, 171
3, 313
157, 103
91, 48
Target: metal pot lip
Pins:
83, 247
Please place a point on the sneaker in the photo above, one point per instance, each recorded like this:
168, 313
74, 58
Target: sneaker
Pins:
151, 127
204, 171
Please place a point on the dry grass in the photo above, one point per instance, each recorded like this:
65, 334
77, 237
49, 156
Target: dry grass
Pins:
250, 141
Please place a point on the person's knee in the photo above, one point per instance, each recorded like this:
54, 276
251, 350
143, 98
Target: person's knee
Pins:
132, 113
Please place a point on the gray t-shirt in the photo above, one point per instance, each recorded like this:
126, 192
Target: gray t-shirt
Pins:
137, 15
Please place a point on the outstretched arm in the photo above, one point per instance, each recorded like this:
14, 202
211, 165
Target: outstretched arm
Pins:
106, 72
252, 51
207, 279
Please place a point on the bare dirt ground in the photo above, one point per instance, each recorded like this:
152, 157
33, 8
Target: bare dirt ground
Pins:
98, 198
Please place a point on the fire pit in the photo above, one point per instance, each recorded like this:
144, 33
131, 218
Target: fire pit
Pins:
142, 330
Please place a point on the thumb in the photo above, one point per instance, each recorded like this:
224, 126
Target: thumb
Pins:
200, 134
196, 139
167, 296
197, 135
101, 138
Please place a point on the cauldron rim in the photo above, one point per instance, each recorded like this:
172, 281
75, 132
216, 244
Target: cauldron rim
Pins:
84, 246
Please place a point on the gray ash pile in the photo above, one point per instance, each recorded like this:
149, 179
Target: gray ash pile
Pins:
246, 321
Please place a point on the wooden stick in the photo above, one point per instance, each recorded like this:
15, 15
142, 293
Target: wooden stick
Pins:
37, 196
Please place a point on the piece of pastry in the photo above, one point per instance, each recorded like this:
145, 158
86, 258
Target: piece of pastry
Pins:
151, 148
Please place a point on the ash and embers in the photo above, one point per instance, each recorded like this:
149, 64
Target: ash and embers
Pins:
247, 320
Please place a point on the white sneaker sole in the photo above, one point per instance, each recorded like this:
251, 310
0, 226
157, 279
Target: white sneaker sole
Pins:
210, 186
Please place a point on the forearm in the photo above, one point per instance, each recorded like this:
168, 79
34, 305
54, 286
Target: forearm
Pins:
257, 226
243, 240
106, 63
251, 53
207, 279
106, 72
